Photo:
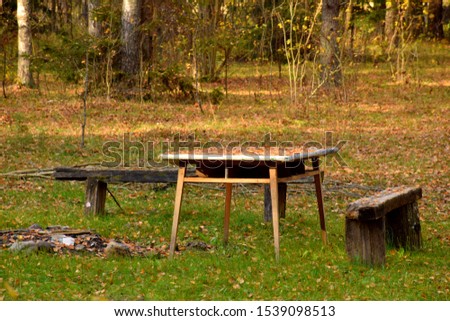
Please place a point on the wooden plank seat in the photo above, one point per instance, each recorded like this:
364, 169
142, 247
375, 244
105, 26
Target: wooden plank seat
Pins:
119, 175
97, 180
388, 217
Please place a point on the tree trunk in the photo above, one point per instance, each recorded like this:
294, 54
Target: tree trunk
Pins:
414, 17
390, 19
65, 11
53, 16
131, 13
330, 62
209, 12
347, 39
24, 44
435, 23
147, 11
94, 26
84, 12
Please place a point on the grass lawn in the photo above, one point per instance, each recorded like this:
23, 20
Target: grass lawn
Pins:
395, 134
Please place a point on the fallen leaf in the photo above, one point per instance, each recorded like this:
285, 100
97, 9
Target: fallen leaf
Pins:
11, 291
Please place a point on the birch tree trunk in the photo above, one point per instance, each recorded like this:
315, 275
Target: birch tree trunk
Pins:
94, 26
24, 74
131, 13
330, 62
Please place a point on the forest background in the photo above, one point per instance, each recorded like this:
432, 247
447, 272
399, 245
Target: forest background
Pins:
78, 74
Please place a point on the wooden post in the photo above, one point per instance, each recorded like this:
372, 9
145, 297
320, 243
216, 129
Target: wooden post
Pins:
365, 241
95, 197
282, 195
403, 227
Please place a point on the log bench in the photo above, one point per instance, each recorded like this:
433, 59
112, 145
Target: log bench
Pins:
388, 217
97, 180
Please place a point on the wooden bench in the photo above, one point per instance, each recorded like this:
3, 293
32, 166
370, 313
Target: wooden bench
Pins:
391, 216
97, 180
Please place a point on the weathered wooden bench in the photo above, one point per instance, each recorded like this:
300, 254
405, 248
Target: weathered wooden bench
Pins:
388, 217
97, 180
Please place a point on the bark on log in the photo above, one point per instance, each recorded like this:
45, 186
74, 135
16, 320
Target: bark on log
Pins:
95, 197
365, 241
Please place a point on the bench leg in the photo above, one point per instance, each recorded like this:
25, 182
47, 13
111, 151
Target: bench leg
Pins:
282, 195
365, 241
403, 227
95, 197
177, 209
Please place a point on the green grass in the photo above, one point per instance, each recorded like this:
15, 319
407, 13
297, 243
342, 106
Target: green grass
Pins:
245, 269
396, 134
